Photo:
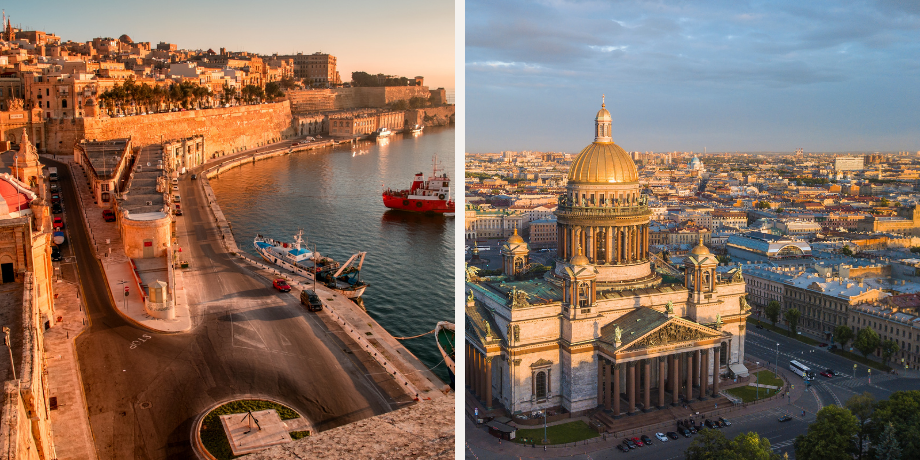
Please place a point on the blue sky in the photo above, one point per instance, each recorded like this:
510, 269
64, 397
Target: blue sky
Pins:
727, 75
406, 38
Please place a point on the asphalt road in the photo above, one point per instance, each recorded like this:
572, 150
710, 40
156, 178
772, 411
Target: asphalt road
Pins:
247, 339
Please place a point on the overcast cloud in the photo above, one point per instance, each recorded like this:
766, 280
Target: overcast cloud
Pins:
684, 75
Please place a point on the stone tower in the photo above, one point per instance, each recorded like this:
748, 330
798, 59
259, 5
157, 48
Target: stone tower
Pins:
515, 255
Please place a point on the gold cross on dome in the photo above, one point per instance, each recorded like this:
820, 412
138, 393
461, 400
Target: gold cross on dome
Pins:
603, 100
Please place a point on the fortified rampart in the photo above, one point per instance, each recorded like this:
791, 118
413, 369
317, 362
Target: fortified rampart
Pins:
226, 130
321, 100
435, 116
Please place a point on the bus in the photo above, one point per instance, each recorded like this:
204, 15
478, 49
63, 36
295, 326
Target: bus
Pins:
801, 369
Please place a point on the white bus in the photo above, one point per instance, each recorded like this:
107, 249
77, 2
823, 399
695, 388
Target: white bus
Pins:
801, 369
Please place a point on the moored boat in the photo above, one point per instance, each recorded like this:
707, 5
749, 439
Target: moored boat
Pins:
296, 258
383, 133
428, 196
444, 332
416, 129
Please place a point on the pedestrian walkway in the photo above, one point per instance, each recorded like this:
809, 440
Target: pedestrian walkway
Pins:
118, 268
69, 423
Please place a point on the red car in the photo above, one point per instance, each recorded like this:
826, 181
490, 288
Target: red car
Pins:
827, 374
281, 285
108, 215
58, 223
638, 442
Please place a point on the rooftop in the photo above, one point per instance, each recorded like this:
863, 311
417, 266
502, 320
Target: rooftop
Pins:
105, 155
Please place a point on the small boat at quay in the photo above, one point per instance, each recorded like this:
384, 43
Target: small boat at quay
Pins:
295, 257
444, 332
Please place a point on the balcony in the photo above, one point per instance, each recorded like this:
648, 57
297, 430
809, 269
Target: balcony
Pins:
591, 211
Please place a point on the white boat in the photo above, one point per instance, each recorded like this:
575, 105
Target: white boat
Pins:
296, 258
416, 129
383, 133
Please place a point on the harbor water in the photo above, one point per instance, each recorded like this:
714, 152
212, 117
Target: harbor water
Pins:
334, 195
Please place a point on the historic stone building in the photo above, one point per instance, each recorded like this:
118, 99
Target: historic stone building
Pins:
601, 329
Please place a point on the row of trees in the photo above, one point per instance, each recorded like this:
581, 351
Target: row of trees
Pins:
366, 79
711, 444
865, 429
866, 341
187, 95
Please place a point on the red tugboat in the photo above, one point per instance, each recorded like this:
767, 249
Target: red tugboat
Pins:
428, 196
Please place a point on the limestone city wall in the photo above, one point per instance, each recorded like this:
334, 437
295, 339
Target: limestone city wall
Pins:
435, 116
226, 130
319, 100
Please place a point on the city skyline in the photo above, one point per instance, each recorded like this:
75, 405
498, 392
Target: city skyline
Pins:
722, 77
415, 32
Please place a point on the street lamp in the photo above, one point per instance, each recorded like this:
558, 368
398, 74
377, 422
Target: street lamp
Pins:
6, 338
776, 363
757, 382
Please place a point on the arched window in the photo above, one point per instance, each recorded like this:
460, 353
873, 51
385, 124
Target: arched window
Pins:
541, 385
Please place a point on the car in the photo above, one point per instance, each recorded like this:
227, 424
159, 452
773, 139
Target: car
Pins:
282, 285
647, 440
56, 198
759, 326
693, 429
194, 176
638, 442
56, 254
822, 344
54, 187
58, 223
726, 422
623, 448
708, 424
56, 208
832, 372
311, 300
685, 432
175, 187
672, 435
827, 374
832, 347
661, 437
719, 423
178, 211
294, 144
175, 181
629, 443
785, 418
108, 215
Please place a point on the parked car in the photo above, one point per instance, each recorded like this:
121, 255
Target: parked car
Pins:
108, 215
281, 285
672, 435
56, 198
693, 429
54, 186
56, 254
647, 440
58, 223
708, 424
629, 443
685, 432
638, 442
822, 344
785, 418
726, 422
623, 448
311, 300
178, 210
661, 437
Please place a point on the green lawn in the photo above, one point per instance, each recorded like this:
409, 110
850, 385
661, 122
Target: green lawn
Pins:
779, 330
558, 434
748, 393
212, 432
859, 359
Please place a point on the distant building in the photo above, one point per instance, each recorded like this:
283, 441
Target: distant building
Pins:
848, 163
763, 247
907, 222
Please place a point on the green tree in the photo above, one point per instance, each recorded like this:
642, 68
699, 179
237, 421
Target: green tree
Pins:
884, 202
902, 410
830, 437
867, 340
751, 446
772, 311
888, 449
915, 249
763, 205
861, 406
842, 335
845, 250
709, 444
889, 348
792, 317
273, 90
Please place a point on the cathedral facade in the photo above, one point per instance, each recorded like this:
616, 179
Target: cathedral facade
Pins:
601, 329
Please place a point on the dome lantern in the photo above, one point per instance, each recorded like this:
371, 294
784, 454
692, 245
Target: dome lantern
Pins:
602, 123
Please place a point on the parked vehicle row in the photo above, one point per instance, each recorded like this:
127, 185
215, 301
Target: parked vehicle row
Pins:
683, 429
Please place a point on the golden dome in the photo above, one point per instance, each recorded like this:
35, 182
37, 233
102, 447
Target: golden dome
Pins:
700, 249
603, 114
603, 163
515, 239
579, 259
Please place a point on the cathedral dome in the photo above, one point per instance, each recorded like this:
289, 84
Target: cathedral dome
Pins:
515, 239
603, 162
700, 249
125, 39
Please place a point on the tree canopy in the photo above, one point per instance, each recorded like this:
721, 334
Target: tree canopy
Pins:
792, 317
902, 410
366, 79
830, 437
711, 444
772, 311
867, 340
842, 335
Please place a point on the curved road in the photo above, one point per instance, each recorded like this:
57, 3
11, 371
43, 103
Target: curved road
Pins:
246, 339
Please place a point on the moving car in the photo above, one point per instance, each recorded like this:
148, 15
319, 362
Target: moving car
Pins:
647, 440
194, 176
832, 372
661, 437
785, 418
108, 215
282, 285
311, 300
759, 326
672, 435
827, 374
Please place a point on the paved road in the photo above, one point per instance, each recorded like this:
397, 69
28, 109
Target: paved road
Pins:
246, 339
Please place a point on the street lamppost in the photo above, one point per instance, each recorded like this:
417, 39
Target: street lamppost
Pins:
125, 303
6, 339
757, 382
776, 363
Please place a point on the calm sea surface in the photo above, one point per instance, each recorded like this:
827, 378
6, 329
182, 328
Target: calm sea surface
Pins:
333, 194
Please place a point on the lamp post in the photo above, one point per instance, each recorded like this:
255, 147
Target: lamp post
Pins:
757, 382
854, 371
776, 363
6, 339
125, 303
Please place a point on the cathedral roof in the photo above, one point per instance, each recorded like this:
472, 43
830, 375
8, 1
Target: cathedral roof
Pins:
633, 325
515, 239
603, 162
480, 324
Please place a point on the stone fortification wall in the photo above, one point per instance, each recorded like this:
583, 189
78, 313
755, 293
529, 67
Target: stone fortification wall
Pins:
436, 116
226, 130
322, 100
155, 231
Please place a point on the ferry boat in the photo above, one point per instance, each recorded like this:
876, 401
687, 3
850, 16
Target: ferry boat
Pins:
429, 196
295, 257
444, 331
383, 133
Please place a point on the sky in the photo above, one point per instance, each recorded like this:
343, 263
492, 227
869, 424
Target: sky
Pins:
404, 38
732, 75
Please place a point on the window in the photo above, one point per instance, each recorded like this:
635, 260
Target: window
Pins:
105, 197
540, 385
105, 187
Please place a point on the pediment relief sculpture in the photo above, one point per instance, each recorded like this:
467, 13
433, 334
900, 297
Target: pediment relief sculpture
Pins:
670, 333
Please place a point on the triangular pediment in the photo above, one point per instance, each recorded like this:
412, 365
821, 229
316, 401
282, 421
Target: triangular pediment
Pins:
674, 331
